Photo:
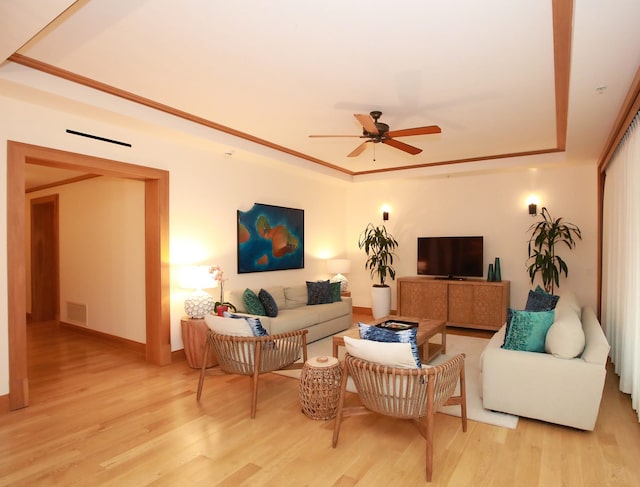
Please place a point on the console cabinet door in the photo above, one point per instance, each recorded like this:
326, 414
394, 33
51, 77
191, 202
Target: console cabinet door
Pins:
425, 299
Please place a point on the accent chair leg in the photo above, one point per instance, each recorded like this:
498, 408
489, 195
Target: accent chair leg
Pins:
203, 369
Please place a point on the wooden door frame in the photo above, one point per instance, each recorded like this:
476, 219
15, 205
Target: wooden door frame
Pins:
51, 199
157, 290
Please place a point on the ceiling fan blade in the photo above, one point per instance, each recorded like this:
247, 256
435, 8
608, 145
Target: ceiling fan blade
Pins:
316, 136
367, 123
358, 150
402, 146
430, 129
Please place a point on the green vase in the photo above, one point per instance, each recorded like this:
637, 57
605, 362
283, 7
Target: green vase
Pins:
497, 275
490, 274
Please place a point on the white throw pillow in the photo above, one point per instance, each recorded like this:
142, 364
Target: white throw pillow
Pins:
228, 326
565, 338
383, 353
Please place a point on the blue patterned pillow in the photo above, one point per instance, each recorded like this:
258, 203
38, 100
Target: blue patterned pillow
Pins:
253, 303
335, 292
318, 292
256, 327
270, 306
540, 300
527, 330
369, 332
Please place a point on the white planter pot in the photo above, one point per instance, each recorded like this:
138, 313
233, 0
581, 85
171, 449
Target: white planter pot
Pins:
380, 302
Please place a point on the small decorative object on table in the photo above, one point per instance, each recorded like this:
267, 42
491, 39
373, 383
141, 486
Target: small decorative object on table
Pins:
320, 387
397, 325
491, 276
497, 274
220, 306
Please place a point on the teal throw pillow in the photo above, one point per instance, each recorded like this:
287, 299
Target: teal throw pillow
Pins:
270, 306
527, 330
318, 292
335, 292
370, 332
253, 303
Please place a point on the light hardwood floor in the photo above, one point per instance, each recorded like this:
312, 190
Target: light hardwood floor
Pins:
100, 415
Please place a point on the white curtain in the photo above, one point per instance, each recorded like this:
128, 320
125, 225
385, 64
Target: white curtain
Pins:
621, 261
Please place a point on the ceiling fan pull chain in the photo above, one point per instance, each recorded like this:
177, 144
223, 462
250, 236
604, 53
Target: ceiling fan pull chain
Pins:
374, 152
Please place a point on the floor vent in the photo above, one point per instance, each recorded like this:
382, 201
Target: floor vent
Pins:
77, 313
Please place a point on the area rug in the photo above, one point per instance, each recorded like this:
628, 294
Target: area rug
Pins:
456, 344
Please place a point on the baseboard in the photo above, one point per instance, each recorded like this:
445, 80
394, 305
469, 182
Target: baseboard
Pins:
367, 311
138, 347
4, 404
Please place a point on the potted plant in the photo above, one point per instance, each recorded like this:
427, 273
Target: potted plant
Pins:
220, 306
542, 249
379, 245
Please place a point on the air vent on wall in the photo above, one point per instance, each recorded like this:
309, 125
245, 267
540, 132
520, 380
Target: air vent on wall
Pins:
97, 137
77, 313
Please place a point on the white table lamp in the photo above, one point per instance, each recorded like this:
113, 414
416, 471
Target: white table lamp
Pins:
198, 277
339, 267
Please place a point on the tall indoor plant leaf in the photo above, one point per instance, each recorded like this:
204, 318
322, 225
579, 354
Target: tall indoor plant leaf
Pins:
379, 245
542, 249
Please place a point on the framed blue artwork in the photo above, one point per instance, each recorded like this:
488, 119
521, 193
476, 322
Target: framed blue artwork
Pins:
270, 238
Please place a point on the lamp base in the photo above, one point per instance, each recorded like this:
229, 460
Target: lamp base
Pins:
199, 304
344, 282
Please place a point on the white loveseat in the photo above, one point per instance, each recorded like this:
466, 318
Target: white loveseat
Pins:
321, 320
553, 386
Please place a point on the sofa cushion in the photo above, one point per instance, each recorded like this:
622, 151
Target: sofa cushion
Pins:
270, 306
335, 292
384, 353
565, 338
277, 293
295, 296
540, 300
318, 292
252, 302
306, 316
254, 323
527, 330
228, 326
369, 332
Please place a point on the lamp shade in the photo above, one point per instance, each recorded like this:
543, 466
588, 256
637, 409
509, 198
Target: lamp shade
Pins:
338, 266
197, 277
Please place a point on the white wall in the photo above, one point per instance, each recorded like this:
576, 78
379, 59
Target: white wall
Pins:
491, 204
101, 233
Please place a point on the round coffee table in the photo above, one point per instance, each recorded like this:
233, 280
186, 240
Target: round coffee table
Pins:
320, 387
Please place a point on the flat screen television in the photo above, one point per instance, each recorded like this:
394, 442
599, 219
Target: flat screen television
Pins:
451, 257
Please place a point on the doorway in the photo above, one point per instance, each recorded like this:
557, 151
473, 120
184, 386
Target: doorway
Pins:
158, 336
45, 264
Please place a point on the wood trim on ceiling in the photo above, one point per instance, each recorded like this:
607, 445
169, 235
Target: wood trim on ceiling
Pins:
562, 13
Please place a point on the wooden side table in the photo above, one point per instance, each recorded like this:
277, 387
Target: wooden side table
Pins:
194, 337
320, 387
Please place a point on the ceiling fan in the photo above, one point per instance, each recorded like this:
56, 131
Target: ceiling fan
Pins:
376, 132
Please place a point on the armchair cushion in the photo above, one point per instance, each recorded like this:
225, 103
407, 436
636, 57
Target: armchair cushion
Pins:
254, 323
383, 353
377, 334
228, 326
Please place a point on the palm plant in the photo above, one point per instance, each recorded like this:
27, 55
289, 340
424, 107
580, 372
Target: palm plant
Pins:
542, 249
379, 245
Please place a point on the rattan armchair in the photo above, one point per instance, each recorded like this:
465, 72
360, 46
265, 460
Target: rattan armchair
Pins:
412, 394
254, 356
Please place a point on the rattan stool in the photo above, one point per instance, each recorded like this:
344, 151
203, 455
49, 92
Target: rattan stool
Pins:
320, 387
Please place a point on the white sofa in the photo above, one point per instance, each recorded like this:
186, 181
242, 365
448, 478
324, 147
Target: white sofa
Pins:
294, 313
552, 386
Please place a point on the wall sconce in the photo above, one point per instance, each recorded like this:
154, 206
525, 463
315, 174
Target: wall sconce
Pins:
385, 213
532, 202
